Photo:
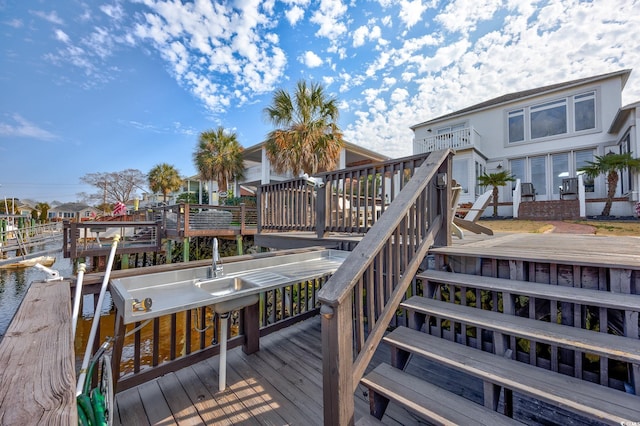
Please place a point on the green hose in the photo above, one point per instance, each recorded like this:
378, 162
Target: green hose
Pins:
97, 402
84, 405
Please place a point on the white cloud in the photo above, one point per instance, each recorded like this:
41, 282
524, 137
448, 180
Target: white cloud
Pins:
229, 44
48, 16
15, 23
328, 17
20, 127
114, 11
294, 15
61, 36
364, 33
310, 59
411, 12
463, 15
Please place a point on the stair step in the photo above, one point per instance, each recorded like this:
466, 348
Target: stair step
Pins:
427, 400
584, 296
608, 345
576, 395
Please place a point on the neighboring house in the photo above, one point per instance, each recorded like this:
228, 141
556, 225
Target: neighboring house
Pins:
542, 136
73, 211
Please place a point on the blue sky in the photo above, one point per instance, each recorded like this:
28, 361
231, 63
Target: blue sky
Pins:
104, 86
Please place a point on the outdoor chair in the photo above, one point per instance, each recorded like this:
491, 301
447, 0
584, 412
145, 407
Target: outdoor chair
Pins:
569, 187
469, 222
527, 191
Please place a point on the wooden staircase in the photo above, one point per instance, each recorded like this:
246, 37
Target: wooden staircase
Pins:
564, 346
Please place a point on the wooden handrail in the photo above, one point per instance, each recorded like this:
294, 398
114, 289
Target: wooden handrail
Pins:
361, 298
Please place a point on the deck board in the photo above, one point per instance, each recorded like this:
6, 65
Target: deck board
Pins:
282, 384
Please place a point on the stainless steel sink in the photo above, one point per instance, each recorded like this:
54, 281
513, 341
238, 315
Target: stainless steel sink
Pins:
219, 287
240, 286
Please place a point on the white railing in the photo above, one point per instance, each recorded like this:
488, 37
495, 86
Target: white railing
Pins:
457, 139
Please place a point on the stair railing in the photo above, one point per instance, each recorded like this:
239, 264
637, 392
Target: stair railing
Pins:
363, 295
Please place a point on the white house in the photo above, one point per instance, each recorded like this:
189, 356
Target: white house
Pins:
542, 136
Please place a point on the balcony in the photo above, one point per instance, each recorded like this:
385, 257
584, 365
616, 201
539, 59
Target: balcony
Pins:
456, 139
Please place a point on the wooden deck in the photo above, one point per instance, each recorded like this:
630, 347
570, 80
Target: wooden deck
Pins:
282, 385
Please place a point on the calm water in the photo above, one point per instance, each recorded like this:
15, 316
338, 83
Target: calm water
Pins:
14, 285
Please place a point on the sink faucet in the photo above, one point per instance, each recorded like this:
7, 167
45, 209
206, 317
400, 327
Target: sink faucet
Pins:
216, 261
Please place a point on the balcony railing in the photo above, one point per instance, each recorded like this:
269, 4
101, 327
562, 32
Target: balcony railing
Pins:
457, 139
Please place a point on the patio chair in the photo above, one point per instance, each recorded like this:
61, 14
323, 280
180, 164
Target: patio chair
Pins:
569, 187
469, 222
527, 191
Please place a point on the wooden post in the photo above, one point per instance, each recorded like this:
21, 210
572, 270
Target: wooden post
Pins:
124, 261
321, 212
185, 249
251, 324
259, 208
168, 251
243, 218
239, 244
337, 356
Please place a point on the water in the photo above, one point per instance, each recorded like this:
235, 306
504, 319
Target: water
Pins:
15, 283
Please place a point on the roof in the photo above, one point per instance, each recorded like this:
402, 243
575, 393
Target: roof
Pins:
621, 117
511, 97
254, 152
71, 207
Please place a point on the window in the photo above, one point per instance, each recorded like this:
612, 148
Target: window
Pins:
517, 170
582, 160
516, 126
549, 119
461, 173
539, 174
572, 114
480, 170
560, 170
585, 111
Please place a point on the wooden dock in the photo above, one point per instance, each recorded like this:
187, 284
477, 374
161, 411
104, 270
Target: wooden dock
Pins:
37, 378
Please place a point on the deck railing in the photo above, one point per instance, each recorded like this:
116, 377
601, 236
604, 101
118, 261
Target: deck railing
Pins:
348, 200
362, 297
82, 239
193, 220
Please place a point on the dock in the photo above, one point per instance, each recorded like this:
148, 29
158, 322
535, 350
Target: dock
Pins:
37, 378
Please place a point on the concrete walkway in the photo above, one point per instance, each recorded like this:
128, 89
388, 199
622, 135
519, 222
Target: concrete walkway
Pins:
560, 227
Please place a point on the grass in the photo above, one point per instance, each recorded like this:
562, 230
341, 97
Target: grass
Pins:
611, 228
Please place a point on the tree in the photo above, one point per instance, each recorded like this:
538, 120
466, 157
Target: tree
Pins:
218, 157
114, 187
495, 180
611, 165
43, 208
164, 178
307, 137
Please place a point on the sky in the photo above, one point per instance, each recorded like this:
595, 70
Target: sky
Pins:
104, 86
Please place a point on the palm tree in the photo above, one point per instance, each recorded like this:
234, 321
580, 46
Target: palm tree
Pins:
219, 157
43, 208
164, 178
307, 137
611, 165
496, 180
